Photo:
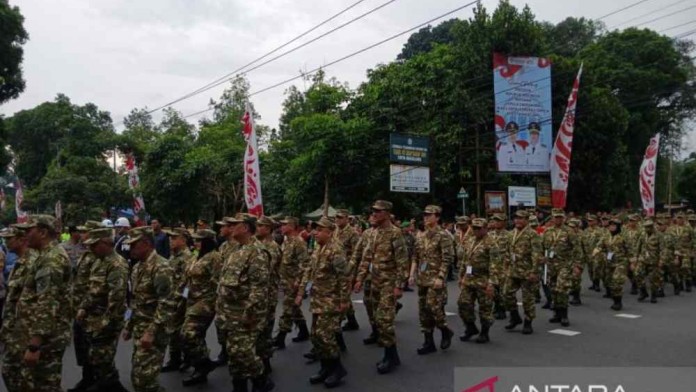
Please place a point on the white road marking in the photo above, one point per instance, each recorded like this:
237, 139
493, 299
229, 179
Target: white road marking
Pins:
450, 314
628, 316
564, 332
357, 301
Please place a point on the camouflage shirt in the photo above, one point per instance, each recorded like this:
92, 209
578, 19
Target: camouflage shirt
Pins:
200, 284
526, 253
74, 251
683, 240
385, 257
276, 258
154, 299
294, 261
44, 309
80, 281
242, 294
359, 252
325, 279
478, 256
649, 248
632, 237
15, 284
559, 247
227, 248
179, 262
612, 249
348, 238
105, 302
433, 256
502, 240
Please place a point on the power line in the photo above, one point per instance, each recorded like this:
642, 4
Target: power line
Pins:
648, 13
622, 9
677, 26
684, 35
229, 76
665, 16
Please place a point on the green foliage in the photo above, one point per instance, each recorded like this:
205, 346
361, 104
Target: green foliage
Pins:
12, 37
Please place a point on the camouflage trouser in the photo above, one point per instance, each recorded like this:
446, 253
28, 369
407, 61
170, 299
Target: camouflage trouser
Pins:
600, 264
193, 336
651, 273
576, 285
431, 308
264, 343
12, 366
81, 344
671, 271
241, 349
46, 375
102, 351
590, 269
324, 335
616, 277
176, 344
291, 312
221, 336
146, 364
474, 290
560, 282
685, 270
367, 301
529, 291
693, 270
383, 302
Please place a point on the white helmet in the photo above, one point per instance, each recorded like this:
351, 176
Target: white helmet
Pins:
107, 223
122, 222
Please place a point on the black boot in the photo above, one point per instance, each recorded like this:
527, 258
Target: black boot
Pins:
499, 312
556, 316
470, 331
547, 304
341, 342
279, 340
267, 369
653, 297
483, 336
262, 384
173, 363
677, 287
185, 365
240, 384
607, 293
687, 285
643, 294
564, 317
634, 288
661, 292
428, 344
515, 319
323, 372
351, 323
527, 328
446, 341
221, 359
399, 305
575, 298
372, 339
311, 357
86, 381
303, 334
595, 284
112, 385
617, 304
200, 373
336, 373
390, 362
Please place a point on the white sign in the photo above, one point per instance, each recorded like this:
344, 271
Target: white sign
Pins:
413, 179
521, 196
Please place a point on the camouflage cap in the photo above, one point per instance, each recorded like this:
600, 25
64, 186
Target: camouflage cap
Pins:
266, 221
201, 221
96, 235
462, 220
290, 220
574, 223
342, 213
522, 214
533, 219
242, 217
138, 233
557, 212
90, 225
648, 223
177, 232
204, 233
324, 222
498, 217
615, 220
634, 217
12, 231
478, 223
47, 221
382, 205
681, 215
591, 217
691, 217
224, 221
432, 209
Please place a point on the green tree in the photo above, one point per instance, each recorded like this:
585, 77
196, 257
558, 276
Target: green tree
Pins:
12, 37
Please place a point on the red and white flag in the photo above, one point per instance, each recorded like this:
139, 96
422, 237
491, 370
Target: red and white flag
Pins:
22, 216
252, 173
133, 183
562, 149
647, 175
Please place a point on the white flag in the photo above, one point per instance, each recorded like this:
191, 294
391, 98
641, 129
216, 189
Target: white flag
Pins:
647, 175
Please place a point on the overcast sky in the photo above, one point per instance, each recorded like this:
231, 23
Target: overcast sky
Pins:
136, 53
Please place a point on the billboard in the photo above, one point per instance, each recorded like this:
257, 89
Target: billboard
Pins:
522, 87
408, 149
521, 196
495, 202
411, 179
544, 193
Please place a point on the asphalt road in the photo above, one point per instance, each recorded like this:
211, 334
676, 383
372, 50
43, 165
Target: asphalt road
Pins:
662, 334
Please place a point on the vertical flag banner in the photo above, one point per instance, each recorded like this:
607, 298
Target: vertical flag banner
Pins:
562, 148
523, 131
647, 175
252, 173
133, 183
2, 199
22, 216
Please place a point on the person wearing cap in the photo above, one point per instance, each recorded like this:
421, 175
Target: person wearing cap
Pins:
526, 253
683, 237
347, 236
364, 243
632, 231
179, 260
501, 236
202, 224
560, 261
294, 261
511, 154
592, 236
599, 264
102, 309
11, 335
152, 308
476, 282
122, 226
386, 260
74, 246
669, 262
198, 286
242, 304
648, 249
326, 281
582, 255
538, 154
433, 255
614, 250
264, 233
44, 310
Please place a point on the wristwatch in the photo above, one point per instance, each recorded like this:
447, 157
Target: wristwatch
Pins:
33, 348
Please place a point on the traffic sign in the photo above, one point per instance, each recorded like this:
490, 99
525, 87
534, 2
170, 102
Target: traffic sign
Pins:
462, 194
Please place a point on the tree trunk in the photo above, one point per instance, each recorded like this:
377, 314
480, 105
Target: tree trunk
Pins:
326, 195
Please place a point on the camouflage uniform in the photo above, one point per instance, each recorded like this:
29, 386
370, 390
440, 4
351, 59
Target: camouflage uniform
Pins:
179, 262
152, 309
348, 238
264, 346
80, 286
502, 239
44, 310
355, 260
225, 250
104, 305
669, 263
294, 262
590, 239
683, 243
10, 335
615, 252
560, 251
433, 256
525, 257
649, 256
631, 235
242, 306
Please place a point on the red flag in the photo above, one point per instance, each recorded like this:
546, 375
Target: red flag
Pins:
252, 173
562, 148
133, 183
22, 216
647, 175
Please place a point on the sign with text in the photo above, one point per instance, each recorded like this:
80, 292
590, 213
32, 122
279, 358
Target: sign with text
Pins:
495, 202
521, 196
412, 179
409, 149
544, 193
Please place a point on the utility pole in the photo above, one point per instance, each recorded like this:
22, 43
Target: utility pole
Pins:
669, 184
478, 174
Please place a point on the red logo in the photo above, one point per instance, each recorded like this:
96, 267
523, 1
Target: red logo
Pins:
487, 385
